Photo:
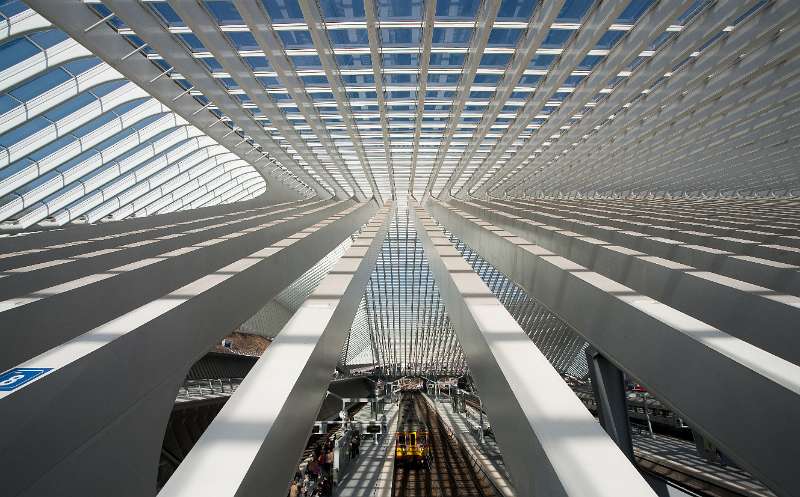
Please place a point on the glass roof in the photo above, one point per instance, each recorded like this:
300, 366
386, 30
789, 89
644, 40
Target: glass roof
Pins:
387, 98
81, 143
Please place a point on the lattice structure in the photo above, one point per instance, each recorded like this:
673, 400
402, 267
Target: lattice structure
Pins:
557, 341
408, 327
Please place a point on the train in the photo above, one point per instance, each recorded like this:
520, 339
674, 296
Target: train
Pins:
412, 441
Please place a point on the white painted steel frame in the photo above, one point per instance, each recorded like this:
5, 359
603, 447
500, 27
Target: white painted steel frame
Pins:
542, 428
662, 347
274, 409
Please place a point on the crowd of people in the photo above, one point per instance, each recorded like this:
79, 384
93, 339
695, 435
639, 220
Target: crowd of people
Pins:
317, 478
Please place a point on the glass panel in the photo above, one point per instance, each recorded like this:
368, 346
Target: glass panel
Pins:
307, 61
610, 39
574, 10
296, 39
504, 37
348, 37
400, 37
167, 14
457, 9
399, 9
192, 42
447, 59
516, 10
43, 83
634, 11
284, 10
243, 40
556, 38
224, 12
13, 8
495, 60
452, 36
346, 10
395, 60
47, 39
354, 61
16, 51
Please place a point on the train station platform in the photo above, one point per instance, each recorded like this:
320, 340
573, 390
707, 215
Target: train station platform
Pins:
486, 454
677, 460
371, 474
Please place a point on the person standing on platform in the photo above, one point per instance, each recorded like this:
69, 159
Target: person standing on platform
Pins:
329, 462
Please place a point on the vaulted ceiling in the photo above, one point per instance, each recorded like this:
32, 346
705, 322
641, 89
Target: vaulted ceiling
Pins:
127, 108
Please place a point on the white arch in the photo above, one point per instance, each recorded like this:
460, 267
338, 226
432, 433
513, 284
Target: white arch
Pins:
56, 55
205, 183
84, 190
151, 189
55, 130
97, 75
89, 140
121, 185
211, 192
27, 198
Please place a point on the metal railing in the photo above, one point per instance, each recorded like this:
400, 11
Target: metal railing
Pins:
208, 387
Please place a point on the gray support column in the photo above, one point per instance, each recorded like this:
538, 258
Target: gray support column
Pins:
254, 443
733, 383
541, 426
92, 425
608, 384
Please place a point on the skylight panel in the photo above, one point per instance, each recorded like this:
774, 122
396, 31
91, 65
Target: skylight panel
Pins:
457, 9
399, 9
450, 37
516, 10
224, 11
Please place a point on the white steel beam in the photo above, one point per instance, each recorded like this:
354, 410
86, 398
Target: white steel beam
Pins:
377, 74
202, 24
123, 199
662, 347
261, 432
599, 18
45, 101
57, 129
37, 64
684, 89
487, 13
652, 24
325, 52
541, 426
119, 176
210, 287
30, 173
535, 33
260, 26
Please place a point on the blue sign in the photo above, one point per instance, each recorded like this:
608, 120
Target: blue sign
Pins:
15, 378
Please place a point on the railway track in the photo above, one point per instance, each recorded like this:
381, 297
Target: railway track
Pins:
452, 472
693, 480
